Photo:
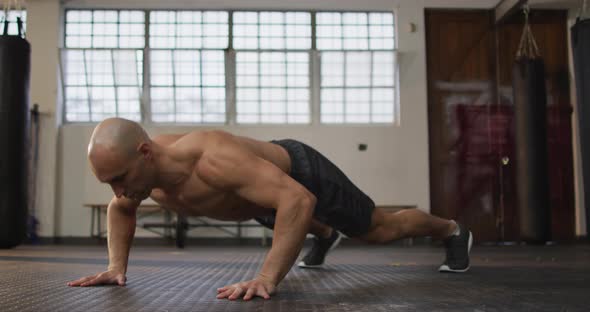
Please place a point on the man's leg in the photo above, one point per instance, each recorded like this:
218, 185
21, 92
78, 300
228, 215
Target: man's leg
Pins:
319, 229
326, 238
386, 227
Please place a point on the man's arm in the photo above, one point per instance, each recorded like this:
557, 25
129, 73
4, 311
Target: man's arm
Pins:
121, 216
120, 231
230, 166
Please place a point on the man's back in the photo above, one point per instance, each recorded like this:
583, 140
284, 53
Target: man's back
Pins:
196, 196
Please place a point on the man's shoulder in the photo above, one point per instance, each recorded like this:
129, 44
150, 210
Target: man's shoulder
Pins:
204, 138
199, 142
168, 138
183, 138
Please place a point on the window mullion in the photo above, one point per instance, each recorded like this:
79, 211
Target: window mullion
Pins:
230, 86
315, 88
259, 86
146, 103
201, 86
286, 54
63, 85
371, 85
315, 75
230, 75
115, 83
259, 69
372, 59
344, 86
172, 65
87, 86
344, 64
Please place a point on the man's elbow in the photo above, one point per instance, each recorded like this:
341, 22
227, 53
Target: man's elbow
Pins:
312, 200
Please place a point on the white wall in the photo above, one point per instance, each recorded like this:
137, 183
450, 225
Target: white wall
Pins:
43, 33
393, 171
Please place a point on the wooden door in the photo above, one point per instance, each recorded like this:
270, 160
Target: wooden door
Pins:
471, 131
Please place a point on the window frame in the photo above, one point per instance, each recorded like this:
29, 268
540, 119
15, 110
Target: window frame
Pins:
314, 70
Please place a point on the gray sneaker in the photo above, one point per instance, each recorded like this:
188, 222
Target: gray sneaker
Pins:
321, 246
457, 248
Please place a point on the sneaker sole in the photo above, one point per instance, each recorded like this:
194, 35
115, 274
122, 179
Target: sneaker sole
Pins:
302, 264
445, 268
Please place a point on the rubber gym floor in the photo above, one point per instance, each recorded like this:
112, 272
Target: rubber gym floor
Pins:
355, 278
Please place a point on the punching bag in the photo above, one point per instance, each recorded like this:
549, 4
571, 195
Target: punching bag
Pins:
15, 54
532, 173
581, 51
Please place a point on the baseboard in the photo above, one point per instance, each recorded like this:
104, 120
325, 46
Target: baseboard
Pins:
207, 241
150, 241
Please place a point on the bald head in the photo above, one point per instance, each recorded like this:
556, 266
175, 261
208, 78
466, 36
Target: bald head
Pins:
115, 139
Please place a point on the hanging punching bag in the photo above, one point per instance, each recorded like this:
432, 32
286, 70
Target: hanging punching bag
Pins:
15, 53
581, 51
530, 106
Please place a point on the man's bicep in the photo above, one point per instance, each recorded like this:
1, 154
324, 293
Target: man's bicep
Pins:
266, 183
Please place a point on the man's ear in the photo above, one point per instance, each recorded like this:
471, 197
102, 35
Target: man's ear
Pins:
146, 150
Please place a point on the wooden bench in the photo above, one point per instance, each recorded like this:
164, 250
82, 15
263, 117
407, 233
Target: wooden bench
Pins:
179, 227
143, 211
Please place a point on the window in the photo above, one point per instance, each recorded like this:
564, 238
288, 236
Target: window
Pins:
188, 66
247, 67
103, 64
272, 66
358, 67
105, 29
11, 18
189, 29
187, 86
102, 83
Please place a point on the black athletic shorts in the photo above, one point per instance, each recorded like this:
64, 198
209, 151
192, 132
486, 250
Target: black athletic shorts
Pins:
340, 204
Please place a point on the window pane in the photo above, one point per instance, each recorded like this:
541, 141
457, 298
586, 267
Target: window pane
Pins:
357, 87
358, 69
102, 83
188, 85
355, 31
105, 29
189, 29
272, 87
187, 65
272, 30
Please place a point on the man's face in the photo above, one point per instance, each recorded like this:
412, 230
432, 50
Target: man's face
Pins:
131, 177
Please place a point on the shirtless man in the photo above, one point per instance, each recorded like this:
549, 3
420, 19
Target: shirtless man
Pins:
284, 184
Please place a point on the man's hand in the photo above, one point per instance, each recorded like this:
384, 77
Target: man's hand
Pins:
255, 287
105, 278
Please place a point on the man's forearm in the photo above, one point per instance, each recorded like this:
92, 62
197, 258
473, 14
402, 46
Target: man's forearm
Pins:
291, 227
121, 229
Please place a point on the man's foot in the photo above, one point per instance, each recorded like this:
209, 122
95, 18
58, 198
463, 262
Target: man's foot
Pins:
316, 256
457, 247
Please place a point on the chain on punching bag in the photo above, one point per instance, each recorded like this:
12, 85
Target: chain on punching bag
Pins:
581, 51
532, 173
15, 54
